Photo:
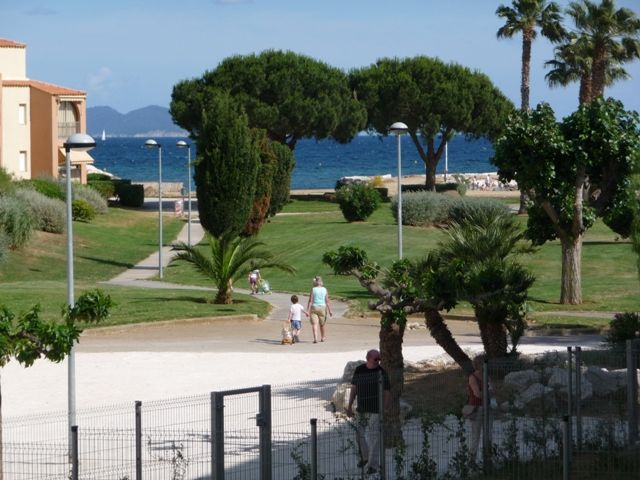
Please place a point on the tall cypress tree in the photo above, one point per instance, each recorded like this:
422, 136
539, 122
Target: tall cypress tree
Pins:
264, 183
281, 177
226, 168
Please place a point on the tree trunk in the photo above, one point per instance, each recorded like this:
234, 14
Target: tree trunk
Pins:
527, 36
598, 71
493, 334
443, 337
585, 88
571, 287
225, 295
391, 335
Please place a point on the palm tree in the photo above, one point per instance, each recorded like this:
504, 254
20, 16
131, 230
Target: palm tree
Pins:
230, 258
482, 248
524, 17
573, 63
611, 34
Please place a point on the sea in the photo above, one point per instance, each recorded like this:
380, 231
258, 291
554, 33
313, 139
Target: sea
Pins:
319, 164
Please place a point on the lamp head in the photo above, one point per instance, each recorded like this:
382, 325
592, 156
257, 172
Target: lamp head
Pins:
151, 144
79, 141
398, 128
182, 144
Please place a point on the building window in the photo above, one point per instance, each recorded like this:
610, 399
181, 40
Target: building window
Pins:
22, 161
68, 123
22, 114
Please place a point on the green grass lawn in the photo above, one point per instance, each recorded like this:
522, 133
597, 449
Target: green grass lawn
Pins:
299, 236
102, 249
609, 276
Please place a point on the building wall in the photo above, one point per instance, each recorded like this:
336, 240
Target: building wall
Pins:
16, 138
13, 63
44, 142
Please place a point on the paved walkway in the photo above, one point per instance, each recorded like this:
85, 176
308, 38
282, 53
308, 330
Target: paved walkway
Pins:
174, 359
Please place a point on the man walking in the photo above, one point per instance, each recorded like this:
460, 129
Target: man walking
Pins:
364, 387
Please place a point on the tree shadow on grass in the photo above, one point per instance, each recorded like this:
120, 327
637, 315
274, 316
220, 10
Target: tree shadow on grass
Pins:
107, 261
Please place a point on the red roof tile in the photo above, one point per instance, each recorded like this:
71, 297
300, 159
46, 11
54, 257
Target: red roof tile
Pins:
11, 44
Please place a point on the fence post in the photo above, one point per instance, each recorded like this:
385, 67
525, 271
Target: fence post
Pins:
632, 390
217, 436
569, 396
264, 422
314, 448
138, 440
383, 456
74, 453
566, 441
579, 397
486, 420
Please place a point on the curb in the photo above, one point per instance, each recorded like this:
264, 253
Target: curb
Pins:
161, 323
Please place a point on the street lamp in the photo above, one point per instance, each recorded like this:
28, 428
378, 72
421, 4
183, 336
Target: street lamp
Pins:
398, 128
153, 144
183, 144
81, 142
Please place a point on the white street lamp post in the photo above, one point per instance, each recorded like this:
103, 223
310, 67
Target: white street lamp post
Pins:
153, 144
183, 144
82, 142
398, 128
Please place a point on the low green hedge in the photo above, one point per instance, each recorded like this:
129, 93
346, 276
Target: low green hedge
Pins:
130, 195
357, 201
105, 188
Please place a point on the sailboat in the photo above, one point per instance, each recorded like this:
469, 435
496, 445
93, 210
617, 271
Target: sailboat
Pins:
104, 135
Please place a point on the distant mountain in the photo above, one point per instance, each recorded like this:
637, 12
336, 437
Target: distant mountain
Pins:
148, 121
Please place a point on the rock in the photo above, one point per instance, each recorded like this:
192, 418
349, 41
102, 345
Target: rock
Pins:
606, 382
532, 394
340, 397
522, 380
349, 368
559, 381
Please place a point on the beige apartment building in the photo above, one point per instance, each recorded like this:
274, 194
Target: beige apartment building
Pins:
36, 118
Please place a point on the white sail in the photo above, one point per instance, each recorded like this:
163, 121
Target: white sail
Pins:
104, 135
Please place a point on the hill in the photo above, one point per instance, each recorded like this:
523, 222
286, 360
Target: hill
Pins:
148, 121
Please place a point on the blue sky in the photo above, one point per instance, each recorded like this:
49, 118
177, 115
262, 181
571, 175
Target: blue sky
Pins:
129, 53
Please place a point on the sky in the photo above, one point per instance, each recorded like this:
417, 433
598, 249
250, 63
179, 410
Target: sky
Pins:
128, 54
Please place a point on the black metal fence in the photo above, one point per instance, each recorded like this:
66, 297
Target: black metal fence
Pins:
570, 414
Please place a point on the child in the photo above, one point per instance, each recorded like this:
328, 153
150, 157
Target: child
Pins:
295, 317
254, 277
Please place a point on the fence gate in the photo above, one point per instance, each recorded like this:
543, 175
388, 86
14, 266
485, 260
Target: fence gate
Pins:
235, 427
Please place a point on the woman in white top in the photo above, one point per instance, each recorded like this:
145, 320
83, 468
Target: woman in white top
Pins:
318, 307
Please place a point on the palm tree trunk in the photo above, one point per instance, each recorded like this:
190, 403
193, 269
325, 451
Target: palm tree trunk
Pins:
493, 333
598, 71
225, 295
585, 88
443, 337
571, 286
527, 36
391, 336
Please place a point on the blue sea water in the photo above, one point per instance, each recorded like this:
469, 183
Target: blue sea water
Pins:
318, 164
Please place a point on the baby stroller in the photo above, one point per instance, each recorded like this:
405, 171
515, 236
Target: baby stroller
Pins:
263, 287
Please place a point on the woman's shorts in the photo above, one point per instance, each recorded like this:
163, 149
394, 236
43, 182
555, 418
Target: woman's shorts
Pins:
318, 315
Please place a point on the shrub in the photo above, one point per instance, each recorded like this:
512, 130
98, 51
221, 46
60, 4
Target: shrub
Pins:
91, 196
91, 177
15, 221
465, 208
49, 214
357, 201
105, 188
47, 186
131, 195
4, 246
423, 208
82, 211
6, 182
623, 327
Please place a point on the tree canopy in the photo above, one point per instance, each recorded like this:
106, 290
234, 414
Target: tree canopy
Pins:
434, 99
573, 171
289, 95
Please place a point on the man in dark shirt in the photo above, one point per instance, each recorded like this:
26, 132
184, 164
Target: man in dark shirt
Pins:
364, 387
